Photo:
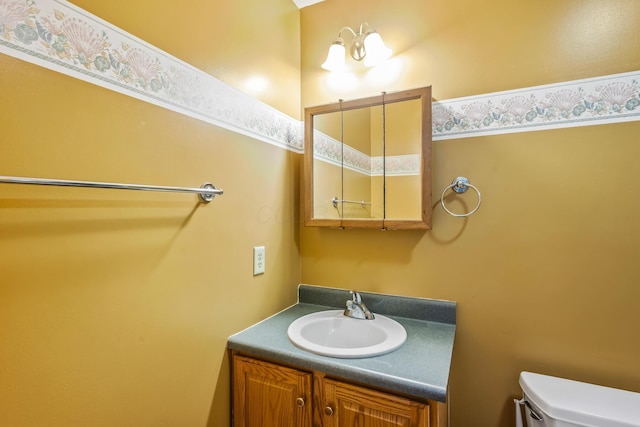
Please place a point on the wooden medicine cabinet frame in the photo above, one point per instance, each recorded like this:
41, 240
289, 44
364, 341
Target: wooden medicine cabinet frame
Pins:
422, 220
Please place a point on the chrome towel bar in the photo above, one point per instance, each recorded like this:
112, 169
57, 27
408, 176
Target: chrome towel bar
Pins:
207, 191
335, 202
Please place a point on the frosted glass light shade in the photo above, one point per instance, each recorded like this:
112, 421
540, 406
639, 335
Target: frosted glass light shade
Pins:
377, 52
335, 58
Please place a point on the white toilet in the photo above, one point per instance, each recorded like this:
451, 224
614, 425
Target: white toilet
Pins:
557, 402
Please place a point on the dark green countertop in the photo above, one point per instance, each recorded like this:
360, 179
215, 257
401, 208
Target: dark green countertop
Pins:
419, 368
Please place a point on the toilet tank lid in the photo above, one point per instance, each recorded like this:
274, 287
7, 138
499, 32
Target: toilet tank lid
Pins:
582, 403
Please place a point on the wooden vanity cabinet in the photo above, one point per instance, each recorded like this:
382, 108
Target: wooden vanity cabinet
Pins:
270, 395
347, 405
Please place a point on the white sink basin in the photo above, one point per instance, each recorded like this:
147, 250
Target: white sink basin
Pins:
331, 333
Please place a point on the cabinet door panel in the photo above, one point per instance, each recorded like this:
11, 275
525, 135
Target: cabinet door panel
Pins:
353, 406
269, 395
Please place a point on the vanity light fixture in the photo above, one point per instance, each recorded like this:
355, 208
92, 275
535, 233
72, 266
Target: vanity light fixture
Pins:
366, 44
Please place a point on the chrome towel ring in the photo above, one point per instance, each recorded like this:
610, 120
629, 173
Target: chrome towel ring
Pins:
460, 185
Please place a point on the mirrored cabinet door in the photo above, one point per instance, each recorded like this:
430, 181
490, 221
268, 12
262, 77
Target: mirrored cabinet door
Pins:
362, 135
327, 165
402, 177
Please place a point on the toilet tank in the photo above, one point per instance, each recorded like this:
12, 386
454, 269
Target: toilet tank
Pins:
567, 403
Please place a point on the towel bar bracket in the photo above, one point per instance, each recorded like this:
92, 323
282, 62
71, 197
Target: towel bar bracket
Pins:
206, 197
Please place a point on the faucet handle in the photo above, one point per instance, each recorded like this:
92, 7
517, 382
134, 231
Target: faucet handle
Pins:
356, 308
355, 296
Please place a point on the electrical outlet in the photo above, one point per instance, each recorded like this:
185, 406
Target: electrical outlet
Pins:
258, 260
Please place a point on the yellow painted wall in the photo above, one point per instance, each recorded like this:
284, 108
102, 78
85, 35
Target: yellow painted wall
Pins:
546, 273
115, 306
234, 41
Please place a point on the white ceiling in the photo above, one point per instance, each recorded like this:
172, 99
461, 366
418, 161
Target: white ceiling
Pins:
303, 3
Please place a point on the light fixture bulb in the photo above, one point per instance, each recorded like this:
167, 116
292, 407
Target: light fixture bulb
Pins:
377, 52
335, 59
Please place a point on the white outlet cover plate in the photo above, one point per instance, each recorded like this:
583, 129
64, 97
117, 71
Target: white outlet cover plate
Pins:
258, 260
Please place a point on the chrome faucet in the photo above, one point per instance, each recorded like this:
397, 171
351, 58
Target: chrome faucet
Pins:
357, 309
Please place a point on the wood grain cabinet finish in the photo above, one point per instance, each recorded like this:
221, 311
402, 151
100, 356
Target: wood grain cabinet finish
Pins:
270, 395
347, 405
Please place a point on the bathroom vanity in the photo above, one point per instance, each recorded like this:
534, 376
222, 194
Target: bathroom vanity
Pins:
304, 399
275, 383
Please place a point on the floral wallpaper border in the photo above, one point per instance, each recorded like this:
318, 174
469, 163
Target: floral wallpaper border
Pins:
608, 99
59, 36
600, 100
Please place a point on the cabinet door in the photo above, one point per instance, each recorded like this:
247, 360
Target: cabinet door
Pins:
269, 395
347, 405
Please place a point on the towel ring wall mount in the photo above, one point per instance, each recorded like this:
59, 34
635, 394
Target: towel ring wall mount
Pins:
460, 185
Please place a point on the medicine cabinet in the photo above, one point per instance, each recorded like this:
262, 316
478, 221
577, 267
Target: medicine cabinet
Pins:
367, 162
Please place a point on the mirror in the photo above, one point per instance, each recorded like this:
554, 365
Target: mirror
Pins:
367, 162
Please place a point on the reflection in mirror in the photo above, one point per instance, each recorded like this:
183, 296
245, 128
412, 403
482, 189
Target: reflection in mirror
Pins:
402, 160
367, 162
327, 179
357, 196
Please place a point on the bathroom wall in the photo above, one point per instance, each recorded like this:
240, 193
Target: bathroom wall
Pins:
115, 306
545, 273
